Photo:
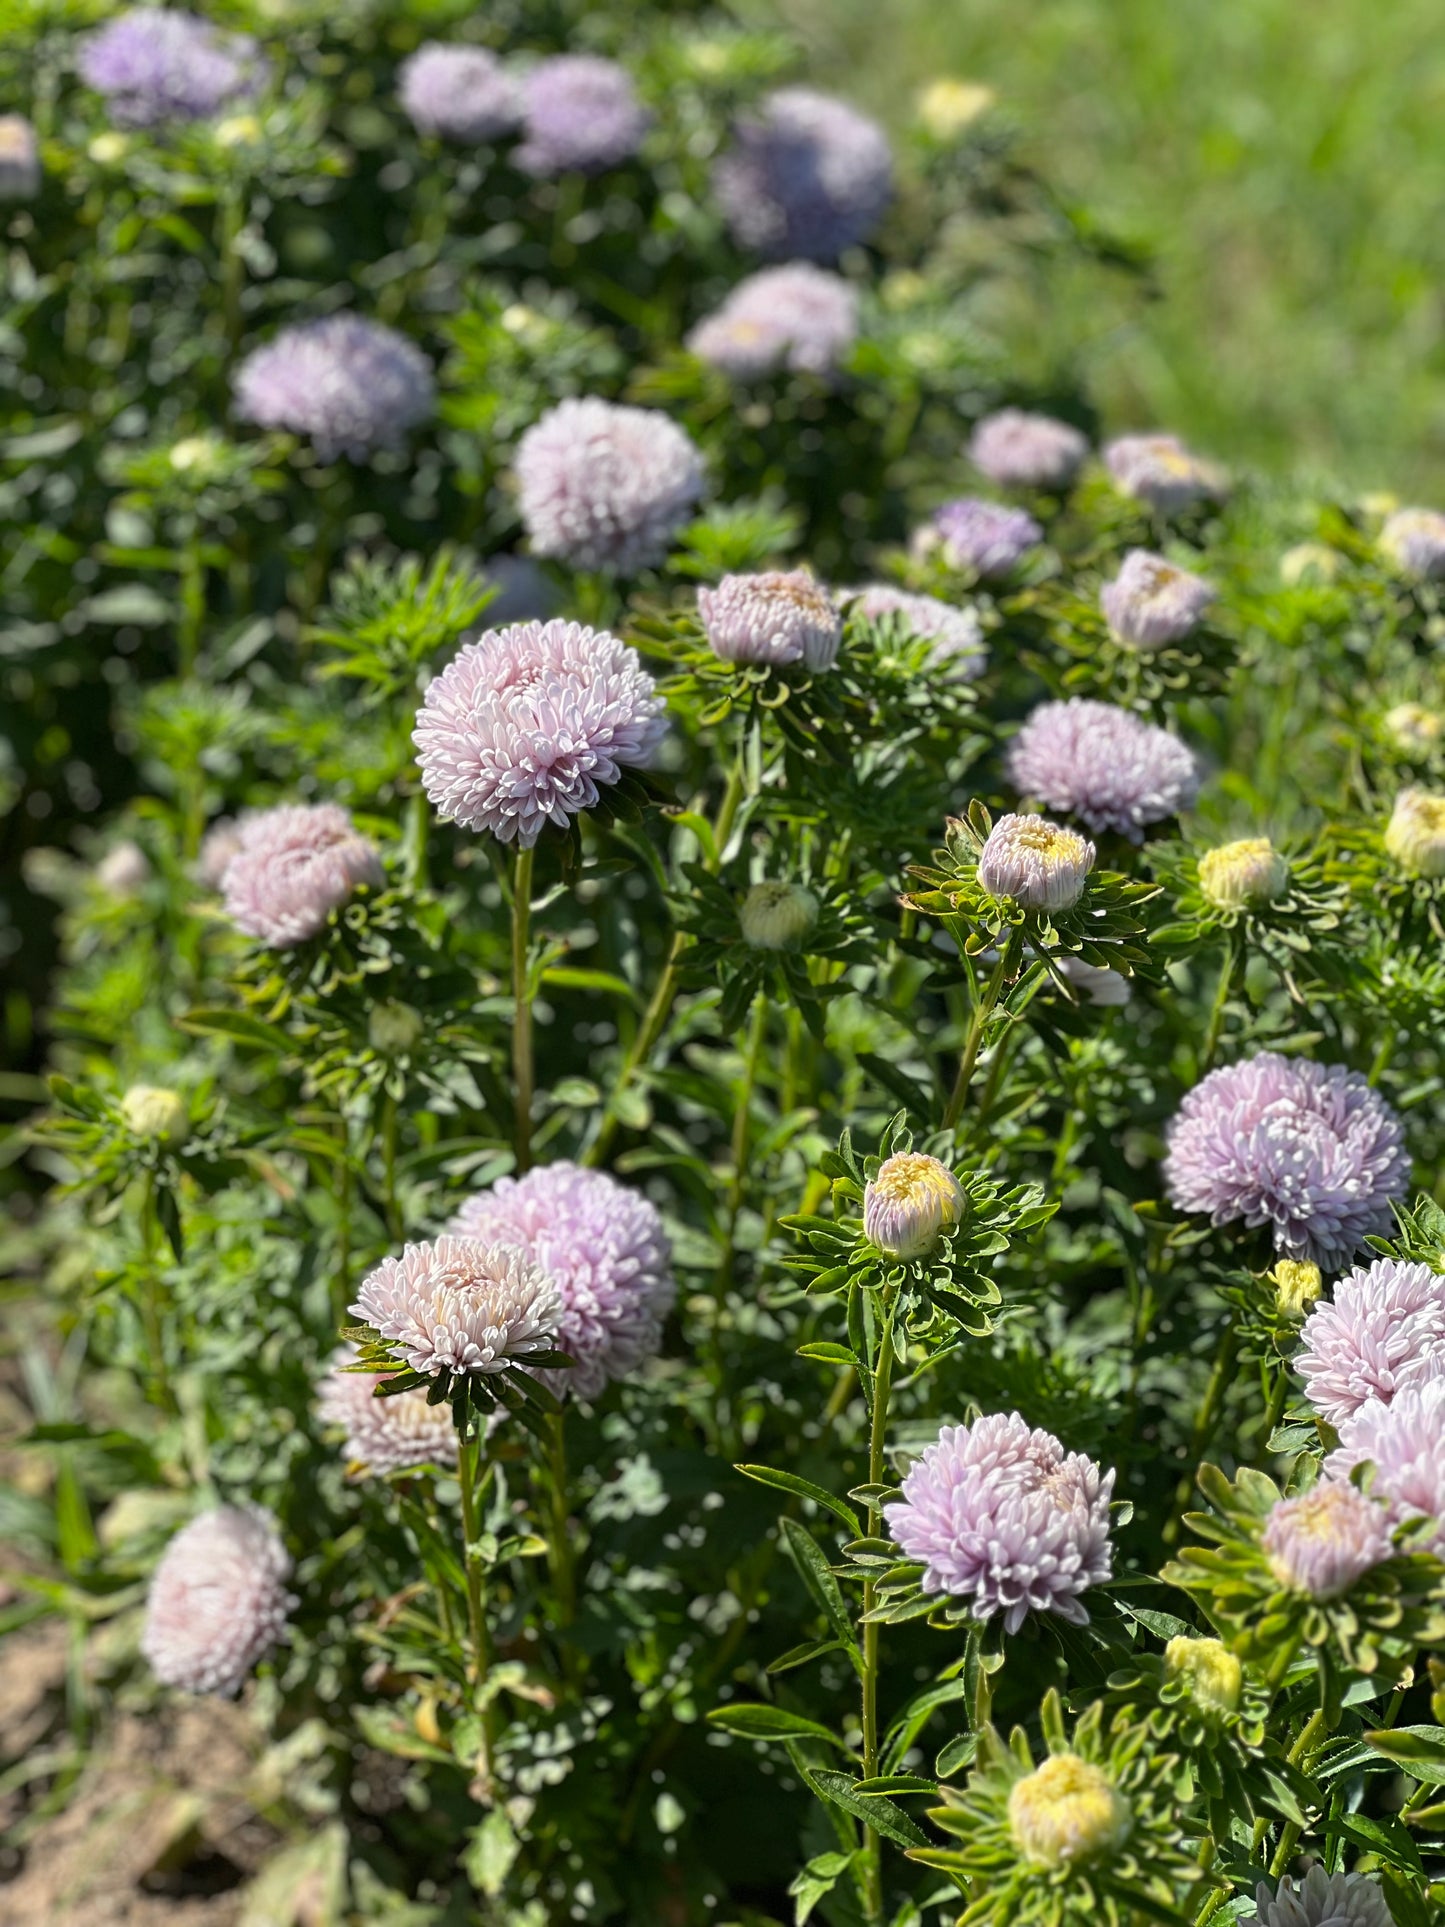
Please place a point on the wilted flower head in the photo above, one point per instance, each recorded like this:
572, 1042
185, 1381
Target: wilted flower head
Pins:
607, 487
1415, 728
603, 1247
159, 64
956, 634
986, 537
1004, 1518
528, 725
1415, 834
1016, 449
1402, 1441
1308, 1149
1249, 871
1208, 1671
1096, 982
1297, 1286
1321, 1543
807, 176
947, 108
1104, 765
773, 916
350, 385
295, 865
1159, 471
1150, 603
797, 317
1036, 863
19, 159
464, 93
150, 1110
1324, 1900
910, 1203
384, 1434
460, 1305
124, 869
218, 1600
1067, 1811
580, 115
1414, 540
1384, 1331
780, 616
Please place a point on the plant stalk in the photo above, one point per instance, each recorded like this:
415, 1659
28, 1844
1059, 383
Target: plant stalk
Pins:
522, 1070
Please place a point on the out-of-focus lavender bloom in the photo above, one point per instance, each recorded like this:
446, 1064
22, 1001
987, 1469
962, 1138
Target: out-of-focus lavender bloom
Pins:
1415, 834
603, 1246
528, 725
910, 1203
1308, 1149
1384, 1332
797, 317
1150, 603
1160, 471
580, 115
986, 537
1015, 449
1402, 1441
780, 616
1066, 1812
295, 865
1035, 862
1003, 1517
956, 634
806, 177
1251, 871
1321, 1543
19, 159
124, 870
1105, 765
389, 1433
461, 1306
464, 93
1324, 1900
775, 916
603, 486
350, 385
218, 1600
1414, 540
158, 64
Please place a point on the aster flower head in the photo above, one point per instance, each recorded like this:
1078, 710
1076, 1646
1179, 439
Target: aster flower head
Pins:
1105, 765
1160, 471
988, 538
529, 725
384, 1433
775, 916
1415, 834
780, 616
159, 64
1211, 1676
956, 635
1383, 1332
1236, 875
1415, 728
1414, 540
1067, 1810
1006, 1520
910, 1203
1015, 449
798, 317
580, 115
1402, 1441
19, 159
152, 1111
461, 1306
218, 1600
1324, 1900
603, 486
463, 93
1308, 1149
348, 384
602, 1248
1322, 1542
806, 177
1036, 863
1151, 604
295, 865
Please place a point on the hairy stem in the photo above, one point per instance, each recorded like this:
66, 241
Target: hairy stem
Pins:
467, 1463
1222, 989
1203, 1427
973, 1040
522, 1008
877, 1437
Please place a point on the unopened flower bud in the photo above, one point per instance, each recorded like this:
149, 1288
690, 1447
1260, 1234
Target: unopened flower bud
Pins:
1067, 1811
19, 159
1208, 1671
1414, 540
1311, 562
238, 130
1415, 728
1237, 874
774, 916
1035, 862
947, 108
123, 870
393, 1029
1415, 836
1297, 1286
196, 455
106, 149
910, 1203
150, 1110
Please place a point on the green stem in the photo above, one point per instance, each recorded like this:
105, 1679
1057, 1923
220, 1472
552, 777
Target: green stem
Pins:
722, 1284
973, 1041
151, 1317
193, 610
559, 1538
388, 1166
467, 1462
877, 1436
1203, 1427
1221, 997
522, 1008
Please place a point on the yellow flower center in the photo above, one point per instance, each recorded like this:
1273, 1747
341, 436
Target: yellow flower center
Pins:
1297, 1285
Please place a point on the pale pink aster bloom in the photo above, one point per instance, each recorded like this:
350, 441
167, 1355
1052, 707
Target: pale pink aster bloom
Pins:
780, 616
464, 93
603, 486
1403, 1441
1324, 1900
911, 1202
799, 317
1016, 449
296, 864
580, 115
1384, 1332
528, 726
1308, 1149
1150, 603
1004, 1518
956, 634
806, 176
459, 1305
218, 1600
1161, 472
1414, 540
348, 384
1035, 862
1105, 765
384, 1434
603, 1246
1323, 1541
988, 538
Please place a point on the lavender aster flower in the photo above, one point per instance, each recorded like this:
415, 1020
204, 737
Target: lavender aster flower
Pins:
349, 384
1324, 1900
1402, 1441
460, 1305
1036, 863
384, 1434
528, 725
1003, 1517
1415, 834
603, 1247
1308, 1149
1384, 1332
464, 93
19, 159
1104, 765
1160, 471
296, 864
1015, 449
1150, 603
797, 317
984, 536
580, 115
218, 1600
780, 616
808, 176
159, 64
956, 634
1321, 1543
910, 1203
604, 486
1414, 540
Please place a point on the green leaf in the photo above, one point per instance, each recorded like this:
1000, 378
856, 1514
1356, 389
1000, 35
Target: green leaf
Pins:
238, 1025
812, 1564
1419, 1749
879, 1813
1385, 1836
805, 1489
758, 1721
819, 1877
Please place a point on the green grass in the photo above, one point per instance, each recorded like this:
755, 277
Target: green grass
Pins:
1286, 161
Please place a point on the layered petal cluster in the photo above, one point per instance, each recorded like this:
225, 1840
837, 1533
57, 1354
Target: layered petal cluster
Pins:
218, 1600
1383, 1332
956, 634
989, 538
603, 486
1016, 449
1402, 1441
806, 177
1151, 603
528, 725
290, 867
348, 384
580, 115
384, 1434
1322, 1542
911, 1201
1324, 1900
1035, 862
462, 93
1105, 765
779, 616
459, 1305
1160, 471
798, 316
158, 64
1004, 1518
